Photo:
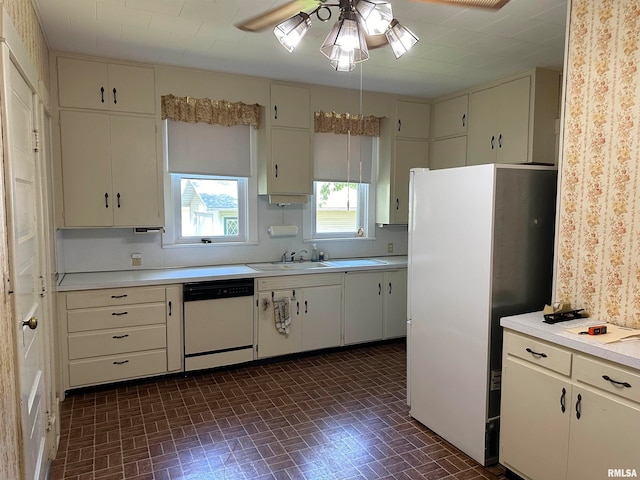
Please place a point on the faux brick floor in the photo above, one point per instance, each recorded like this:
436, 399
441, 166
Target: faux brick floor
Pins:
333, 416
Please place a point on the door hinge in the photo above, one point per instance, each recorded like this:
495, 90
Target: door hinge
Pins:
43, 287
36, 138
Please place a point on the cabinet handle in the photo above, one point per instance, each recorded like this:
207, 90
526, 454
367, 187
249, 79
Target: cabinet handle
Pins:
276, 170
464, 119
622, 384
106, 200
117, 337
500, 141
275, 112
121, 363
119, 314
493, 139
306, 307
297, 308
562, 400
169, 308
543, 355
399, 124
578, 414
115, 98
397, 204
389, 288
379, 289
118, 195
101, 94
119, 296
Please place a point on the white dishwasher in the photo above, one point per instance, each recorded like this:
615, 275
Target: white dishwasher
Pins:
218, 323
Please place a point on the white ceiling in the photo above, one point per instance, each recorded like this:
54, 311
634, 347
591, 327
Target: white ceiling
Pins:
459, 47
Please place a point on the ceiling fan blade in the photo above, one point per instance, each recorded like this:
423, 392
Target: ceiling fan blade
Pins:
276, 15
492, 4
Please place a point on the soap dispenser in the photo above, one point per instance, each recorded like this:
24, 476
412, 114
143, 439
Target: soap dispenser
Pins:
314, 253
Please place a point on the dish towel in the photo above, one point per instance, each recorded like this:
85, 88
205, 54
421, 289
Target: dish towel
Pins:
281, 314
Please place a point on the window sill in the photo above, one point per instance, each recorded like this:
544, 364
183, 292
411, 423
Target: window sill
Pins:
338, 239
209, 245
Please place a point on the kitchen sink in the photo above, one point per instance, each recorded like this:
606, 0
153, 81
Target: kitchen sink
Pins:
287, 266
354, 262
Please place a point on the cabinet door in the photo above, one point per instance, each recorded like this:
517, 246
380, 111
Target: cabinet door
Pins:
86, 169
395, 308
606, 436
291, 165
450, 117
363, 298
412, 119
534, 431
82, 84
135, 171
409, 154
448, 153
513, 121
270, 341
483, 119
322, 308
290, 107
131, 89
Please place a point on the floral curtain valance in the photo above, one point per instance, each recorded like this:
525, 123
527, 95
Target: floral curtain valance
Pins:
222, 112
343, 123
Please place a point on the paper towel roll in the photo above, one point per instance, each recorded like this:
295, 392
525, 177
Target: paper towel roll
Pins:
283, 230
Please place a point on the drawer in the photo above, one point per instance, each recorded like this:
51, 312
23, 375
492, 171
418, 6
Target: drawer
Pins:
114, 296
593, 372
538, 352
117, 367
111, 342
82, 320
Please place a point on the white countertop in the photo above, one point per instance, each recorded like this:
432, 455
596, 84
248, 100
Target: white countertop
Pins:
137, 278
625, 353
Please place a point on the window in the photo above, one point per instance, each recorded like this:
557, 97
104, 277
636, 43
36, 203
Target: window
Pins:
211, 195
209, 207
343, 199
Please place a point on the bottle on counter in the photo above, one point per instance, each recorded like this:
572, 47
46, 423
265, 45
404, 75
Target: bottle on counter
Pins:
314, 253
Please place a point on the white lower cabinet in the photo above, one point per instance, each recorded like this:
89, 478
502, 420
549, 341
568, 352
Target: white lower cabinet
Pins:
395, 303
314, 304
565, 414
363, 302
111, 335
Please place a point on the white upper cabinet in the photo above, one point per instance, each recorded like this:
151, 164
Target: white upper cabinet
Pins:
412, 120
105, 86
450, 117
290, 106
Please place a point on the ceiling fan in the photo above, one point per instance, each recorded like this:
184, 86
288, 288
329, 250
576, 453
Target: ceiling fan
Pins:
362, 25
278, 14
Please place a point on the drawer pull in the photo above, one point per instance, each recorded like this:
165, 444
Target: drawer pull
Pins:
117, 337
119, 296
562, 399
622, 384
121, 363
118, 314
542, 355
578, 414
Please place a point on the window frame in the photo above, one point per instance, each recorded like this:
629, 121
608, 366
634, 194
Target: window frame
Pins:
361, 213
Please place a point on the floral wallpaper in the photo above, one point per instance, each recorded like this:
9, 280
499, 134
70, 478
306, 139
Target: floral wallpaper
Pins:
25, 20
598, 257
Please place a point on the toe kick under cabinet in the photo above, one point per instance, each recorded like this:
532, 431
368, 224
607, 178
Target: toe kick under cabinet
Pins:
111, 335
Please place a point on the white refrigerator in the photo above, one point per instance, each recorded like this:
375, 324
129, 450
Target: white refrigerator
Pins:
480, 247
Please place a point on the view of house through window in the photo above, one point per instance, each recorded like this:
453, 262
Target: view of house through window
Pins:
209, 207
339, 207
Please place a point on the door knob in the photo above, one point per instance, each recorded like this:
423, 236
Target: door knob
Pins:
32, 323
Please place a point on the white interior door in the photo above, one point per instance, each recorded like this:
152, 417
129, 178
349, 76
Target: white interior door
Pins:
24, 211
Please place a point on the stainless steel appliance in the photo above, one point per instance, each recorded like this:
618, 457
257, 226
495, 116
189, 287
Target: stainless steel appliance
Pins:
480, 248
218, 323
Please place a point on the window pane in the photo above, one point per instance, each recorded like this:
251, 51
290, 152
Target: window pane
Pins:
337, 207
209, 207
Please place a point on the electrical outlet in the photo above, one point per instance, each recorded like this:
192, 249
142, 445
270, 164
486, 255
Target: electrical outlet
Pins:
136, 259
390, 247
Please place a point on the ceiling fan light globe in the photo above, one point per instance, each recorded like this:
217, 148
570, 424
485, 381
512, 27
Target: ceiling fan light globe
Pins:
346, 36
375, 15
290, 32
400, 38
